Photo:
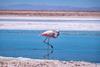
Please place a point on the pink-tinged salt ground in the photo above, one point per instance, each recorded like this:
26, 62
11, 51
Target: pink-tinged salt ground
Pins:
32, 25
27, 62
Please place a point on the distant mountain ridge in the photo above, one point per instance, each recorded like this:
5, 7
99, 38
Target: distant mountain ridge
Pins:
46, 7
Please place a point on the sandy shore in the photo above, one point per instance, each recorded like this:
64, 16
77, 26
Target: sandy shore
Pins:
27, 62
50, 13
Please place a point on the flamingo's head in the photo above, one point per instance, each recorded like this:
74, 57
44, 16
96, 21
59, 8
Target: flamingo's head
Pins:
57, 33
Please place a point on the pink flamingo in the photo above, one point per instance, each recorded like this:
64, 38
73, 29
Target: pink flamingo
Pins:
50, 34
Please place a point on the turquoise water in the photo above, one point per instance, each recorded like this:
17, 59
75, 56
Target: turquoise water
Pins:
70, 45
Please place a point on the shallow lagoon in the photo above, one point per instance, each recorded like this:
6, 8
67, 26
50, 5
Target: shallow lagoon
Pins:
70, 45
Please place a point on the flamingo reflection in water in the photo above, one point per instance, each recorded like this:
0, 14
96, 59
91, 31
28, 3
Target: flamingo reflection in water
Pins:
50, 34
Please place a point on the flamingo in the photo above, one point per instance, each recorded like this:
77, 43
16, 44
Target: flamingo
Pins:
50, 34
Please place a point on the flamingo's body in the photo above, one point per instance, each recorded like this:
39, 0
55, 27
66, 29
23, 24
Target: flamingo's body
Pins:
50, 34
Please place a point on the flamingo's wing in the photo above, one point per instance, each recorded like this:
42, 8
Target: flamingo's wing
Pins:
48, 33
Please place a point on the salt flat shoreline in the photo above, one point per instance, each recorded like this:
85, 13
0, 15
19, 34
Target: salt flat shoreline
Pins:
24, 25
47, 18
27, 62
